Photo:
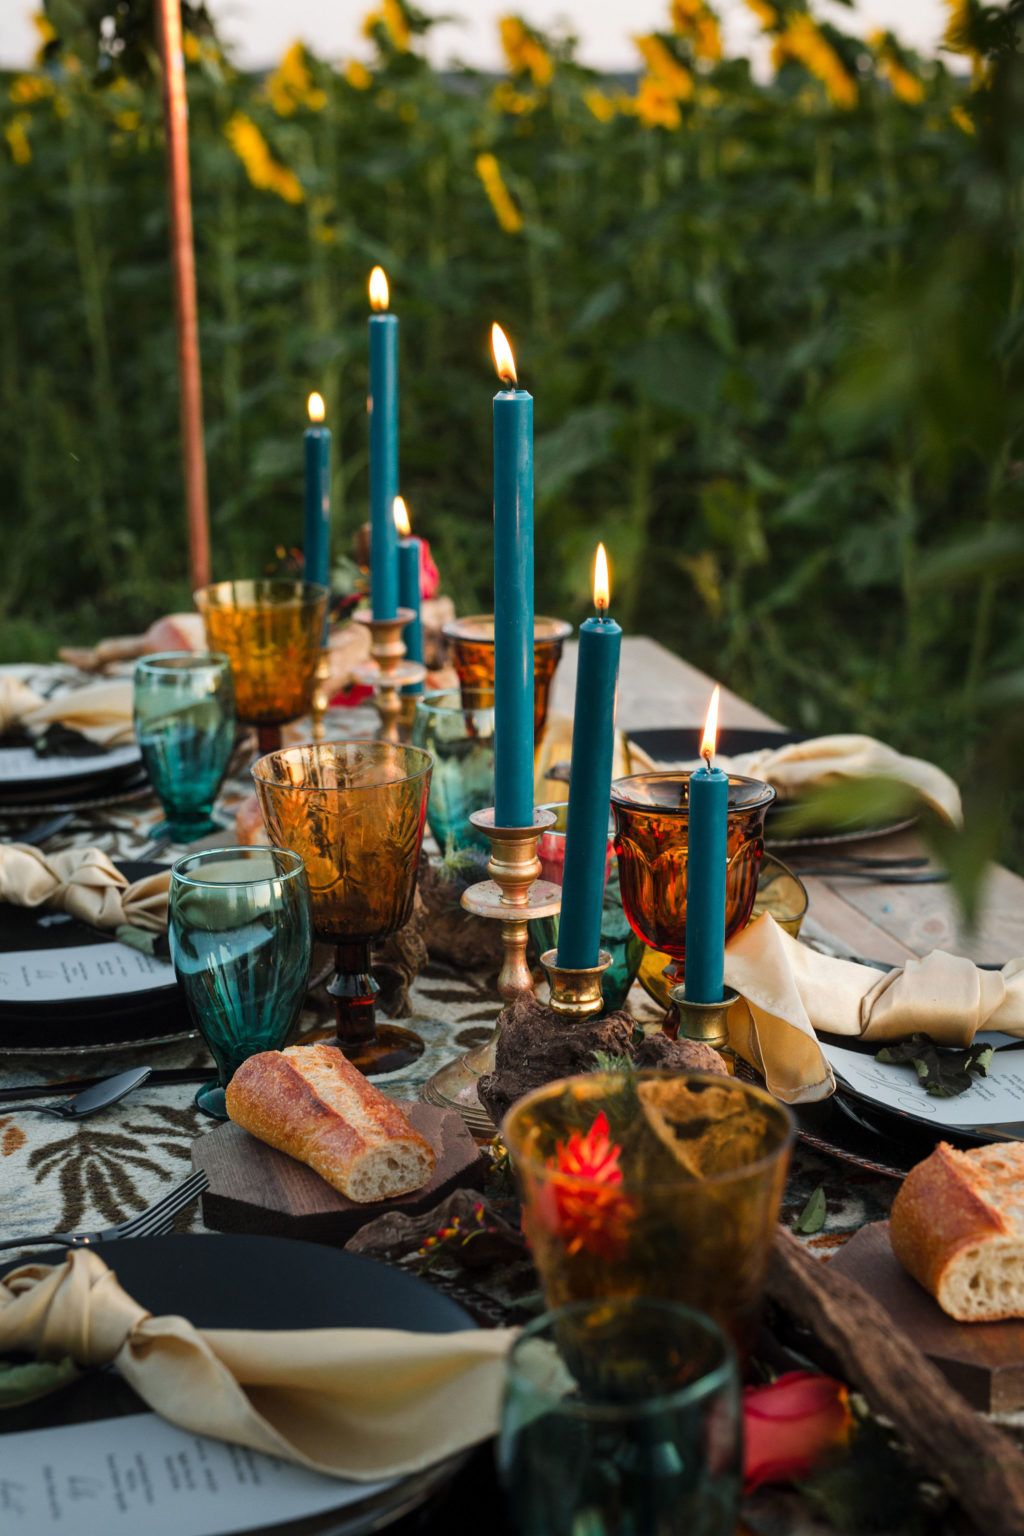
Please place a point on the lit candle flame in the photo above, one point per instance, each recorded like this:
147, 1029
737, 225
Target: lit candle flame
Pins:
315, 406
710, 736
402, 522
602, 588
503, 359
378, 289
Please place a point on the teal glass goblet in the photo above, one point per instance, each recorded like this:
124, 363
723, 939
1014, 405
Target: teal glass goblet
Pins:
622, 1418
241, 932
456, 726
184, 709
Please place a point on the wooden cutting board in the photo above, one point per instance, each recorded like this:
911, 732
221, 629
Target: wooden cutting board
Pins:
983, 1361
254, 1188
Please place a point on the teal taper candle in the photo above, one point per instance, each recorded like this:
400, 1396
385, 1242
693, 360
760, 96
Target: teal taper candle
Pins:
382, 405
513, 594
707, 860
590, 779
410, 559
316, 522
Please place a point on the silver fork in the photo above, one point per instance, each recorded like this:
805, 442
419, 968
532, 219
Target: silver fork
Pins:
152, 1223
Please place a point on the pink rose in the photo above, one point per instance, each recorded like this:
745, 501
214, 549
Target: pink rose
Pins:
430, 576
790, 1424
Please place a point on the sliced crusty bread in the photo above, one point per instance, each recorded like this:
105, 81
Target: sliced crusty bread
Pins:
310, 1102
957, 1225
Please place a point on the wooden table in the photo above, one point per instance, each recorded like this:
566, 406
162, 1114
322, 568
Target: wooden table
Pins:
856, 918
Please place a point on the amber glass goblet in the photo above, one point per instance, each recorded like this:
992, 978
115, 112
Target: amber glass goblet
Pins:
652, 821
355, 812
652, 1184
471, 642
270, 630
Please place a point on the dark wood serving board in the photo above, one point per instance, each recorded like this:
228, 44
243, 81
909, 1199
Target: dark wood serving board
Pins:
254, 1188
983, 1361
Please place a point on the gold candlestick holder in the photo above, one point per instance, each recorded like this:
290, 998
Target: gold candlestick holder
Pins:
388, 672
706, 1022
575, 993
320, 700
513, 896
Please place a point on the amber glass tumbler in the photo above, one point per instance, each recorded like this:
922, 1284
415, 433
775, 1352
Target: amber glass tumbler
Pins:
270, 631
652, 819
355, 812
471, 643
652, 1184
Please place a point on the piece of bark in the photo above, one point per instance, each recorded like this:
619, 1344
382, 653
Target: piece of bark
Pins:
979, 1463
452, 934
535, 1046
660, 1053
395, 1235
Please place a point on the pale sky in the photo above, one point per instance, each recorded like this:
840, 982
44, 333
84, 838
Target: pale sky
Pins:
261, 30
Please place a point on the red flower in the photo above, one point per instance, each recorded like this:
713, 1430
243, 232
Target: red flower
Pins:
589, 1208
789, 1425
430, 576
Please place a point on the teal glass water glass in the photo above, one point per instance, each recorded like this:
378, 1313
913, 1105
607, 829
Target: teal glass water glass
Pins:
184, 708
622, 1418
456, 726
241, 933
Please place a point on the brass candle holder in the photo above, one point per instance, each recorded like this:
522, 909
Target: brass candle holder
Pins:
388, 672
513, 896
575, 993
706, 1022
320, 700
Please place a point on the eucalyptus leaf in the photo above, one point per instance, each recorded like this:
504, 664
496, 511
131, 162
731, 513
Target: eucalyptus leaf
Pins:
812, 1217
23, 1382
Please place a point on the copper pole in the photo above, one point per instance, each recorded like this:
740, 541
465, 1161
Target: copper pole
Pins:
183, 267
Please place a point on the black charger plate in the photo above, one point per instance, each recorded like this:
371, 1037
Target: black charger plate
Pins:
259, 1283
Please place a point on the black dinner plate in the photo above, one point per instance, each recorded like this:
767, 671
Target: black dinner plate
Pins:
84, 776
89, 1021
260, 1283
681, 743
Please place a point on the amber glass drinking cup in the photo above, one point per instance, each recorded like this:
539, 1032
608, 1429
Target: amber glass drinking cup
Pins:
471, 645
652, 1184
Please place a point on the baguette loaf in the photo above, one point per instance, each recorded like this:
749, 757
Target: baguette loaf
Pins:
957, 1226
310, 1102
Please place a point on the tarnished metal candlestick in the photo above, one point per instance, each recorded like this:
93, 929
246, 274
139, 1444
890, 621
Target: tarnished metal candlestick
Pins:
575, 994
320, 700
513, 896
388, 672
705, 1022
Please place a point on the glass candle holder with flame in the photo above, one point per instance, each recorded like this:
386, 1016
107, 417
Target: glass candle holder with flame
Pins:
651, 813
355, 811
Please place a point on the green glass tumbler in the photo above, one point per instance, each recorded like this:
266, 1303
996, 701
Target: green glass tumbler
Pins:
241, 933
457, 728
184, 710
622, 1418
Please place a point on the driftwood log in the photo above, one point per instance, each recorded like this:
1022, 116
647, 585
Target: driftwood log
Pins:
395, 1234
536, 1045
981, 1466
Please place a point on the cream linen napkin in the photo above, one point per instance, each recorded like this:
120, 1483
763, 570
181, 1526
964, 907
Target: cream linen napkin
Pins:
85, 883
804, 765
787, 991
360, 1403
102, 711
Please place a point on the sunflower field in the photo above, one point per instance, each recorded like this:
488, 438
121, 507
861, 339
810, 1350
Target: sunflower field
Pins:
774, 330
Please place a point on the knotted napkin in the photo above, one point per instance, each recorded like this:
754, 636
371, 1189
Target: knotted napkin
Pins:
102, 711
787, 991
360, 1403
803, 765
85, 883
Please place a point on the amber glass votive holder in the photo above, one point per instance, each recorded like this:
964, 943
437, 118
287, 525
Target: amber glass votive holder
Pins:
652, 1184
271, 631
471, 645
355, 812
652, 821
